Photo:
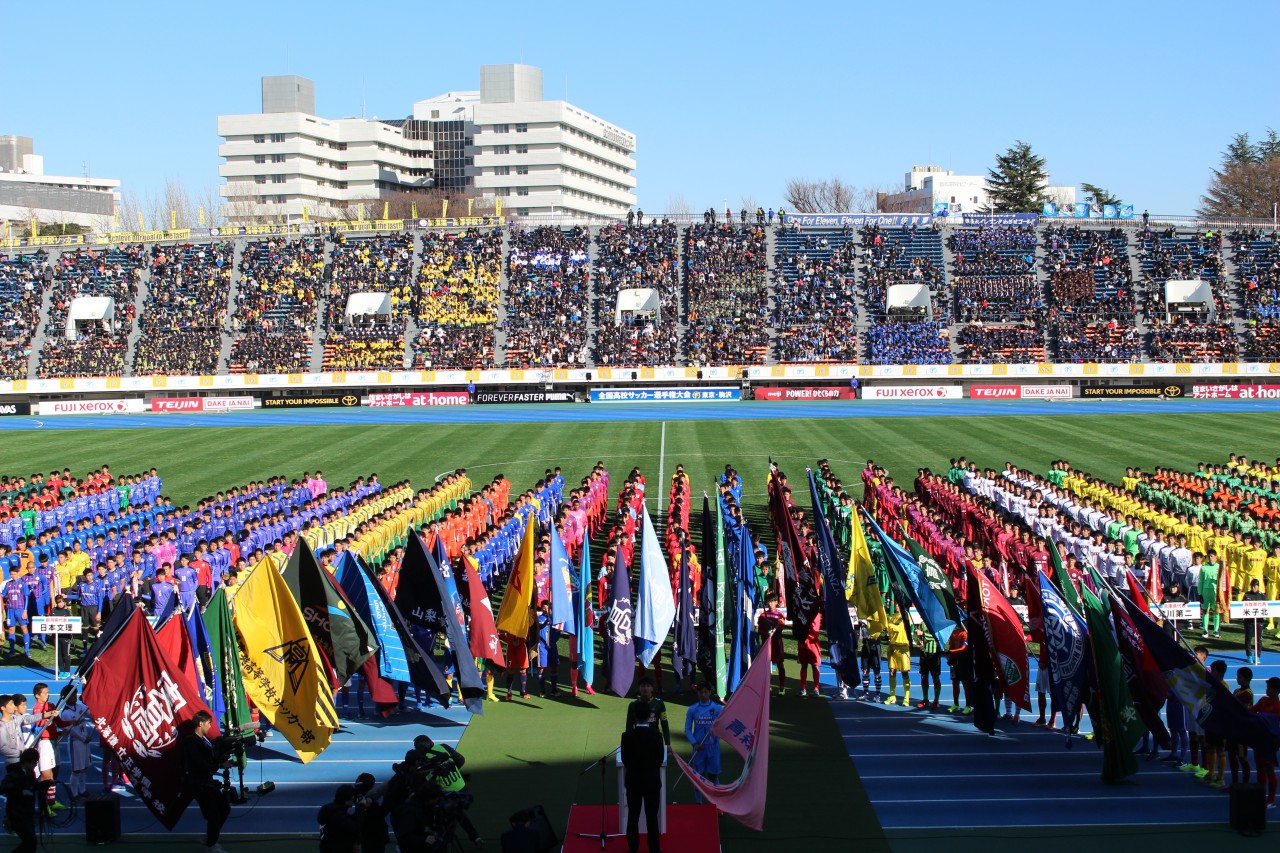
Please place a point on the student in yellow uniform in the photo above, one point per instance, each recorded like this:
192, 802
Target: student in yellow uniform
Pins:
1272, 576
899, 659
1255, 566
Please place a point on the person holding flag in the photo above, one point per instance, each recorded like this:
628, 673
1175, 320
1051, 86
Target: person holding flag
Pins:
899, 659
769, 624
698, 723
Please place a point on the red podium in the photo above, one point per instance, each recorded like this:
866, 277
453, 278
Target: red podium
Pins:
690, 829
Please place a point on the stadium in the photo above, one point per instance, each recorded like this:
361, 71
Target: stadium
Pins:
253, 466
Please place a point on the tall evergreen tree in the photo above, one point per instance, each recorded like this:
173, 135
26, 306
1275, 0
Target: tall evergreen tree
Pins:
1017, 183
1097, 196
1247, 182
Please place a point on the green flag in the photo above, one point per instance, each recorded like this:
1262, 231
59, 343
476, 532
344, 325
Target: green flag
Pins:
224, 648
1118, 724
1063, 580
722, 668
937, 578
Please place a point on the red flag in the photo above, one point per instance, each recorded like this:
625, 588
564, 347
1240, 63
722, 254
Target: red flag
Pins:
1155, 587
142, 705
1004, 636
484, 632
1035, 606
384, 695
1147, 685
172, 636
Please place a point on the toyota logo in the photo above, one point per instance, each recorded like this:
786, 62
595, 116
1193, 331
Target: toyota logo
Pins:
1173, 391
350, 400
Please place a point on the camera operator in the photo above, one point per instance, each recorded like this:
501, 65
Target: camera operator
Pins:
19, 788
340, 826
200, 761
428, 820
373, 830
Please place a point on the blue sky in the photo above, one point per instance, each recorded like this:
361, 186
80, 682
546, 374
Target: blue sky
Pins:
727, 100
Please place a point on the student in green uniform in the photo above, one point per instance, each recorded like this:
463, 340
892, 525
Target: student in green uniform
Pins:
1210, 573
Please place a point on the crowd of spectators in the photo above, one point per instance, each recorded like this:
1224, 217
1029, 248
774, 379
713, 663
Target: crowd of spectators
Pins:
1183, 340
925, 342
22, 281
1262, 341
727, 290
1089, 269
459, 289
637, 256
1001, 344
994, 273
1107, 340
360, 347
276, 305
99, 346
1257, 257
378, 264
815, 314
899, 256
185, 310
548, 296
1169, 255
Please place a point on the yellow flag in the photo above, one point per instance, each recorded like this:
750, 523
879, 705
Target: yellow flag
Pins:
516, 615
142, 225
306, 214
865, 592
173, 219
202, 214
35, 227
283, 672
386, 209
414, 208
469, 202
444, 209
497, 207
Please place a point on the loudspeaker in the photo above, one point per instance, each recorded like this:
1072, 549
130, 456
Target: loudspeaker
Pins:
1248, 809
102, 819
548, 841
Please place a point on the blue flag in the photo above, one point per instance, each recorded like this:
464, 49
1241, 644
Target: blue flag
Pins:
656, 609
358, 584
916, 583
1067, 639
562, 610
844, 657
586, 637
744, 606
684, 658
201, 648
455, 624
1205, 698
622, 646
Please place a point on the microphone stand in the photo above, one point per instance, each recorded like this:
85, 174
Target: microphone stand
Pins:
604, 835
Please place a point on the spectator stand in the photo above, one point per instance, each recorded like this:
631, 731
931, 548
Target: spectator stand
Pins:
815, 312
1182, 331
458, 299
185, 309
631, 259
372, 338
276, 303
993, 274
1092, 295
548, 299
1256, 256
22, 290
727, 290
99, 345
895, 259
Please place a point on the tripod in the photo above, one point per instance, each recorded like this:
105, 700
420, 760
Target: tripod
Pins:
604, 834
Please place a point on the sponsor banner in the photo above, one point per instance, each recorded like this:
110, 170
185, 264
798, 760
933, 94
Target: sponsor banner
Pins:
332, 401
997, 220
912, 392
7, 409
130, 406
419, 398
487, 397
201, 404
1020, 392
859, 220
805, 393
1132, 391
1228, 391
56, 625
665, 395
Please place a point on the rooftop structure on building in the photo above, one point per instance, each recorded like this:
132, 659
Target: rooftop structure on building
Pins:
27, 193
932, 189
502, 142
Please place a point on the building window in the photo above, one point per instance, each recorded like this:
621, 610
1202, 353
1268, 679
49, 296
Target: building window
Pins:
259, 138
259, 158
523, 211
277, 179
502, 128
503, 191
502, 170
277, 158
522, 149
522, 190
522, 128
522, 170
502, 149
260, 179
277, 137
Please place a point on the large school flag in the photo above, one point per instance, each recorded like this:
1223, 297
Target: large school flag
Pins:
359, 586
710, 656
1118, 724
1205, 698
799, 582
684, 651
859, 558
655, 606
585, 640
224, 650
283, 671
744, 725
979, 691
562, 610
743, 607
206, 671
1008, 649
485, 644
111, 628
515, 617
326, 614
865, 593
1065, 587
1067, 640
1146, 680
172, 637
938, 580
619, 634
140, 705
722, 587
916, 585
449, 604
843, 646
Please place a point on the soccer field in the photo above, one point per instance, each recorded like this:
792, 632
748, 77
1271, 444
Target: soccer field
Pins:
532, 752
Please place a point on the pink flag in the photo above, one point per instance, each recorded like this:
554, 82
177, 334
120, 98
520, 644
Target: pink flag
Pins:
1155, 591
744, 724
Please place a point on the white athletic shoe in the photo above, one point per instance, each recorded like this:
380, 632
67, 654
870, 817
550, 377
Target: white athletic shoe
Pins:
842, 694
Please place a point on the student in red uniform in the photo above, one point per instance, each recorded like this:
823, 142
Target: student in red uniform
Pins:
770, 623
1269, 704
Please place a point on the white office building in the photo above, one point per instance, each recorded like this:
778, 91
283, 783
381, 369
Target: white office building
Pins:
502, 142
286, 160
927, 186
26, 192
